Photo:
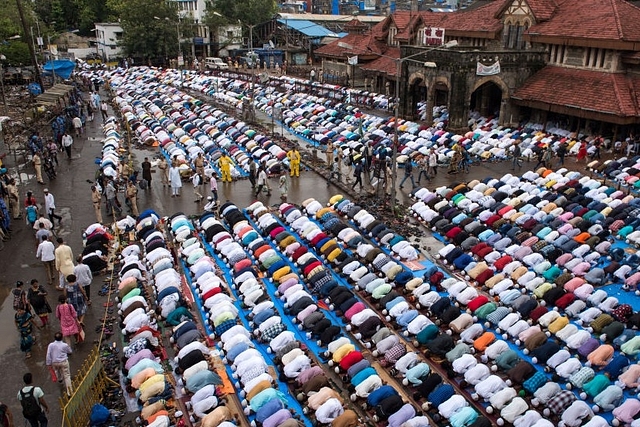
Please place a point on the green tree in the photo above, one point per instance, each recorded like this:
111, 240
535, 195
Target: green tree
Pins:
249, 12
149, 28
16, 52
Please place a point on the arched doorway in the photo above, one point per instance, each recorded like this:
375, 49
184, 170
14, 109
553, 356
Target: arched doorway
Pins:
440, 94
487, 99
417, 96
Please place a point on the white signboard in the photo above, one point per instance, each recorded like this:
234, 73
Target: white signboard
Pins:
353, 60
433, 36
488, 70
180, 61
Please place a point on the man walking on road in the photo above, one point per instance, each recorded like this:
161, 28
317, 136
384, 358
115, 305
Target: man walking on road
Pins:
37, 165
64, 262
34, 407
112, 202
103, 110
146, 172
14, 198
46, 254
164, 171
50, 207
67, 142
58, 358
131, 198
96, 200
294, 161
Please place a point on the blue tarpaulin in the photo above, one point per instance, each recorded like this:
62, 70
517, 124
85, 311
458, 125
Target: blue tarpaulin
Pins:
308, 28
62, 67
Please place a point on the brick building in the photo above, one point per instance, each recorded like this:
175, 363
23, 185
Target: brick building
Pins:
573, 63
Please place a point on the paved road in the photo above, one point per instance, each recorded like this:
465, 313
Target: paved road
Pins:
72, 193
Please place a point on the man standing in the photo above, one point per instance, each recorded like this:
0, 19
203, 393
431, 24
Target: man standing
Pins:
103, 110
77, 125
294, 161
262, 181
433, 162
37, 164
95, 101
112, 203
146, 172
225, 167
33, 404
253, 174
562, 151
14, 198
84, 277
199, 164
131, 195
164, 171
213, 185
42, 231
50, 207
175, 179
64, 262
329, 154
96, 200
67, 142
45, 222
47, 254
58, 358
195, 180
516, 152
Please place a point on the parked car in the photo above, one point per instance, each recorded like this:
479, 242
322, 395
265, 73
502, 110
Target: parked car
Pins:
213, 63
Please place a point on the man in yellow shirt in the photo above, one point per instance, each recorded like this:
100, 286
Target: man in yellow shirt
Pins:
294, 161
225, 167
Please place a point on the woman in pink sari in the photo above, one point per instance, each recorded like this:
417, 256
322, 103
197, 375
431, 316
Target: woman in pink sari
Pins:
68, 318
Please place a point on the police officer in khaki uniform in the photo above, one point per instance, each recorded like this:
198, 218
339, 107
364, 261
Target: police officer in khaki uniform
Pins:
199, 164
164, 171
37, 164
132, 198
329, 153
96, 199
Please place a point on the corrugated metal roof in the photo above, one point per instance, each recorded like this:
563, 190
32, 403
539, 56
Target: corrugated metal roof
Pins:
308, 28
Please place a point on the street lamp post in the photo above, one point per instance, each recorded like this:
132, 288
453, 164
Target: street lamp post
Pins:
4, 98
394, 148
32, 51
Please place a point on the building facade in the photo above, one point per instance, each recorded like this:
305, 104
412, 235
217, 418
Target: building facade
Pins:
538, 61
108, 35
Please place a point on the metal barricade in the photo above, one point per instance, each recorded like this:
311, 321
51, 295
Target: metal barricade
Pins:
89, 388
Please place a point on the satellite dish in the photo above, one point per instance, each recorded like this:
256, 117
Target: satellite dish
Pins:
271, 44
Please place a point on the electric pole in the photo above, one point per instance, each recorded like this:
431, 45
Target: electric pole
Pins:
32, 51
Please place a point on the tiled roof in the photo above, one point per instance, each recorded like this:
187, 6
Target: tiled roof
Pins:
384, 64
608, 93
362, 44
615, 20
478, 19
542, 9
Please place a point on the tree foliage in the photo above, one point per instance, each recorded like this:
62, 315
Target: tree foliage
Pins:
149, 28
249, 12
65, 15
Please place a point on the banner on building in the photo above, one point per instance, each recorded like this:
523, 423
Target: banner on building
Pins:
433, 36
353, 60
488, 70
